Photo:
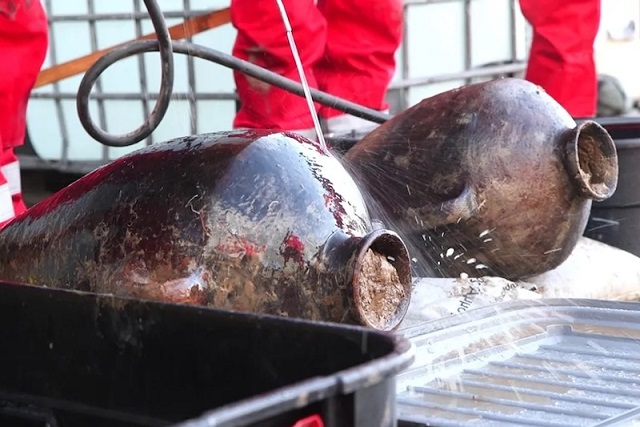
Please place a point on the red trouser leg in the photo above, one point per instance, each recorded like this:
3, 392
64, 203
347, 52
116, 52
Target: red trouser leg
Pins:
10, 169
561, 59
262, 40
23, 46
6, 204
362, 39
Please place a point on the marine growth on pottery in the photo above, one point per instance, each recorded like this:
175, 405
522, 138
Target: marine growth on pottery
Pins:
251, 221
493, 178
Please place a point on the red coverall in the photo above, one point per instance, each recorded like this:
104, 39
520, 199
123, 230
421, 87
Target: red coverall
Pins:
23, 47
347, 48
561, 59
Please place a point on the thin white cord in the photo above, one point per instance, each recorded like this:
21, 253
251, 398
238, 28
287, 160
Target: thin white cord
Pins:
303, 79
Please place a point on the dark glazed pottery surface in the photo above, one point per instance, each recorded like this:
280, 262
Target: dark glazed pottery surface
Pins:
253, 221
485, 179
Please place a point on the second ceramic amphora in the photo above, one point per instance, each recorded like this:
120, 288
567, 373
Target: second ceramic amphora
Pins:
493, 178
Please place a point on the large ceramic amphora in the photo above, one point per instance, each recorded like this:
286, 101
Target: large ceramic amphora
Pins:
253, 221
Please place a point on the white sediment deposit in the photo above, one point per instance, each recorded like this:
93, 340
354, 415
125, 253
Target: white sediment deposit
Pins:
594, 270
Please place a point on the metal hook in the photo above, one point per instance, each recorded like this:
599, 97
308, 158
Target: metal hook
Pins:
167, 48
166, 86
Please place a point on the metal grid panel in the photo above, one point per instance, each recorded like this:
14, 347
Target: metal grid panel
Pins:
563, 381
104, 99
511, 65
399, 93
562, 362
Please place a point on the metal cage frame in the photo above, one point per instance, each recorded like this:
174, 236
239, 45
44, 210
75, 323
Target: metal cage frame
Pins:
397, 94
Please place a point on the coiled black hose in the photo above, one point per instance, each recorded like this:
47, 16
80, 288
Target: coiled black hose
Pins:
166, 47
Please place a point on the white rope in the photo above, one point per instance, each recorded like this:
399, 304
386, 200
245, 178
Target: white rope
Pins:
303, 79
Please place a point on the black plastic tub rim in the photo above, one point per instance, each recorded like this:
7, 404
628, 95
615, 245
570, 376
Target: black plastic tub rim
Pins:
388, 353
313, 390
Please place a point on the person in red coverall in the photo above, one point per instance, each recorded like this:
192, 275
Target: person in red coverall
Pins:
347, 48
23, 47
561, 59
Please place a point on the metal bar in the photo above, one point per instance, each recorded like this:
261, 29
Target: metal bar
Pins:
33, 162
563, 360
404, 54
191, 78
588, 352
485, 415
64, 133
476, 72
467, 37
123, 16
545, 381
548, 394
93, 37
512, 30
564, 371
213, 96
623, 419
142, 70
416, 420
504, 402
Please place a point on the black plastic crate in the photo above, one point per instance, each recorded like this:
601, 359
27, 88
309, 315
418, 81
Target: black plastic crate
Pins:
79, 359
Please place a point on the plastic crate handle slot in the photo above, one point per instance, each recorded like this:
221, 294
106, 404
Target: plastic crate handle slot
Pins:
311, 421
